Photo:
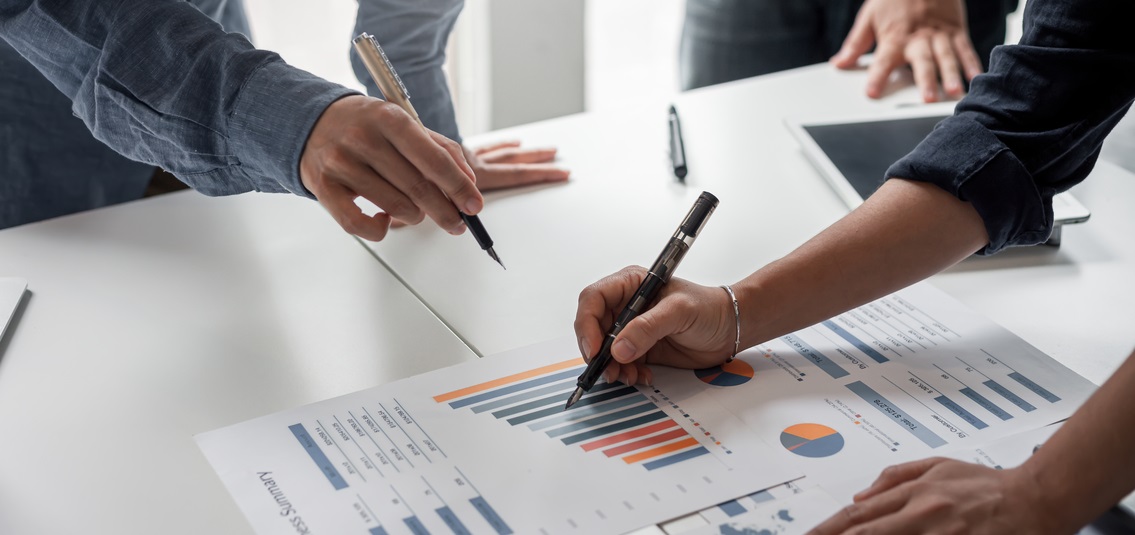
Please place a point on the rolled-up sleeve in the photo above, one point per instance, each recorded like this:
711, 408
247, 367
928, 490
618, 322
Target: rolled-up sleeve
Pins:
413, 33
161, 83
1033, 125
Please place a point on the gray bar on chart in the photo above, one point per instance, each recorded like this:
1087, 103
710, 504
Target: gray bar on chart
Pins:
586, 412
378, 531
506, 390
491, 516
316, 453
855, 341
1035, 388
415, 526
587, 400
600, 420
961, 412
554, 399
733, 508
1009, 395
614, 428
819, 359
986, 404
523, 396
897, 415
452, 521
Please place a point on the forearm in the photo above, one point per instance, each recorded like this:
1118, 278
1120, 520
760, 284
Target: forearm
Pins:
1086, 466
903, 233
414, 33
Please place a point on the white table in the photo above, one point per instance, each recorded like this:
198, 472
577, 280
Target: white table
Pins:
150, 322
622, 203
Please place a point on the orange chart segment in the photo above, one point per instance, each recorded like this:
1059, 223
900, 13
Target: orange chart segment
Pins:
812, 440
442, 398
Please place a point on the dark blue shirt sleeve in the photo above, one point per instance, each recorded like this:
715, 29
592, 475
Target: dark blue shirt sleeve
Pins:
1033, 125
161, 83
413, 33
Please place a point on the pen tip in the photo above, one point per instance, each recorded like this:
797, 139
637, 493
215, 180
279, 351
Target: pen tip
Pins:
574, 397
493, 255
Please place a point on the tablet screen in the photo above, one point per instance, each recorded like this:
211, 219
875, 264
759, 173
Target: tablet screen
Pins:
863, 151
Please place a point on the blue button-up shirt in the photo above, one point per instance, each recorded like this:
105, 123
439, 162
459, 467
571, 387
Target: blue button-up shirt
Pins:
1033, 125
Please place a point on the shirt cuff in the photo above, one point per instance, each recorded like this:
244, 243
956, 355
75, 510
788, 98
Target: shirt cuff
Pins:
965, 159
274, 113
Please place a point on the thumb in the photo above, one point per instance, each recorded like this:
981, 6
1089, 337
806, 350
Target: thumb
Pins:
662, 320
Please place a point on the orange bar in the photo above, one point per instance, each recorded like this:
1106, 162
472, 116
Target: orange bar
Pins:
505, 380
660, 450
634, 433
649, 441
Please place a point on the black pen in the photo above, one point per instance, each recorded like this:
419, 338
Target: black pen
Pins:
657, 277
395, 91
677, 147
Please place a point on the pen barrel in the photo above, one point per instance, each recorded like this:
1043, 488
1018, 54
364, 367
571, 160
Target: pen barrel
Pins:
383, 73
478, 230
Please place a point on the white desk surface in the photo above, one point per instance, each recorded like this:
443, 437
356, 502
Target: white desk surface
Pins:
622, 203
153, 321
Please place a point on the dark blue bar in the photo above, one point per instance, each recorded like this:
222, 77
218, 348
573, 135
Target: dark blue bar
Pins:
882, 404
1009, 395
317, 455
575, 416
614, 428
1036, 389
555, 399
859, 344
491, 516
589, 400
762, 496
986, 404
733, 508
677, 457
523, 396
504, 390
415, 526
961, 412
600, 420
452, 521
816, 357
378, 531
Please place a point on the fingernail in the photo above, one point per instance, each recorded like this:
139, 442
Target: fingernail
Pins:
623, 350
472, 206
610, 375
584, 347
648, 378
458, 230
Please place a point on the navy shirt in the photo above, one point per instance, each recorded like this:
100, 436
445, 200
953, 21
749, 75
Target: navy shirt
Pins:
1033, 125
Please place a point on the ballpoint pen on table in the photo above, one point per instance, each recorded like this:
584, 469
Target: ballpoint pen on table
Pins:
395, 92
677, 146
659, 274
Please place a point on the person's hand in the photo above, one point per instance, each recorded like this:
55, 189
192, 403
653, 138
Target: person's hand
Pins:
944, 496
506, 165
690, 326
931, 35
367, 147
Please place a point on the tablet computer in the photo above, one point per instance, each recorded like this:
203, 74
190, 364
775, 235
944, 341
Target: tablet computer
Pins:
853, 153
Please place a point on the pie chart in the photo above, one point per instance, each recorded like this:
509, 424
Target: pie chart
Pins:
733, 373
811, 440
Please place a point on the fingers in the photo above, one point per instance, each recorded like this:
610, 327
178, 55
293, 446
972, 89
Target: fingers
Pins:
859, 40
340, 203
860, 513
921, 56
505, 155
496, 146
971, 63
433, 156
667, 317
502, 176
948, 66
892, 476
888, 57
599, 302
457, 152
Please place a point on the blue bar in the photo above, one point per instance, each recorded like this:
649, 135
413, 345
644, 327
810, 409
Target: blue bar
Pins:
523, 396
558, 398
818, 358
614, 428
1009, 395
961, 412
491, 516
677, 457
415, 526
859, 344
882, 404
575, 416
505, 390
452, 521
589, 400
1036, 389
378, 531
762, 496
986, 404
600, 420
318, 456
733, 508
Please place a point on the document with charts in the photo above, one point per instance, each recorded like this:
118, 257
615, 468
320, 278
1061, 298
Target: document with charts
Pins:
487, 447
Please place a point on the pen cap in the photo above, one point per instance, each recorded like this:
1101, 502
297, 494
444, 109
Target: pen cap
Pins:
699, 214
